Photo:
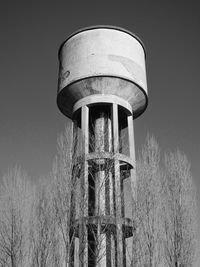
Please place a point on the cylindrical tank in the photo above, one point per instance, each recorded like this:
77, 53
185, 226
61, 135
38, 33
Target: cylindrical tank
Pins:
105, 61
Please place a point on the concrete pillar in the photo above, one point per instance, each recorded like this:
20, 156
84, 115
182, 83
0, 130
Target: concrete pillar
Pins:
100, 182
83, 233
117, 185
132, 153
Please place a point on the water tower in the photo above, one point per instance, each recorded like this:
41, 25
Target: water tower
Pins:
102, 88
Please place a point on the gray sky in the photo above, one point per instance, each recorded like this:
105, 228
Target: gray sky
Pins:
31, 32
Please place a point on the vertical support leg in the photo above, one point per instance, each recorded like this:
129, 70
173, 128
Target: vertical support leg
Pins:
119, 235
110, 242
83, 231
73, 200
111, 246
133, 172
73, 196
123, 215
132, 154
100, 187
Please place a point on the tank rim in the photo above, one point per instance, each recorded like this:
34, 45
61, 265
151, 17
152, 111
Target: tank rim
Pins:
117, 28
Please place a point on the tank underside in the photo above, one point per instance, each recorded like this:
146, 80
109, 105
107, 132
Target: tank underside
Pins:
100, 85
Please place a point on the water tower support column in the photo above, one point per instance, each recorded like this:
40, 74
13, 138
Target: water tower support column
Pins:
117, 184
132, 152
83, 231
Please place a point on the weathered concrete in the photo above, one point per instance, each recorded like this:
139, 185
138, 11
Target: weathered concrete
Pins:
102, 61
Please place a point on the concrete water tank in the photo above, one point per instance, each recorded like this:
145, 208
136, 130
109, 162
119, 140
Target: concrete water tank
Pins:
102, 60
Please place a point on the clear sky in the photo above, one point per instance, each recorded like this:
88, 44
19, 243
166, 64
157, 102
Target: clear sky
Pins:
31, 32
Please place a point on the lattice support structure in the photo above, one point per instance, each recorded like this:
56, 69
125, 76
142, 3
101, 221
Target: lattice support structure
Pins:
102, 224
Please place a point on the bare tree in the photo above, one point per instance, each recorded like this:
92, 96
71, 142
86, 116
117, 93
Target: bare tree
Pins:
65, 174
164, 213
146, 212
44, 250
53, 221
179, 212
15, 207
39, 225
